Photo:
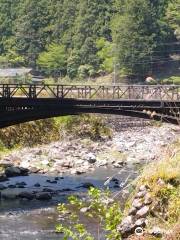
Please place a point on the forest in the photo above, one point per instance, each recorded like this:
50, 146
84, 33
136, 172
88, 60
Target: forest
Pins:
88, 38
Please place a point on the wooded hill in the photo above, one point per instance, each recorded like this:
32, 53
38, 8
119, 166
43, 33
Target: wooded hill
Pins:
82, 38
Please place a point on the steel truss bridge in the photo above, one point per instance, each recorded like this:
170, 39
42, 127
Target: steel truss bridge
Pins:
22, 103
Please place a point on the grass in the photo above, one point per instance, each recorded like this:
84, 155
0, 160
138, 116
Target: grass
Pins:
84, 126
171, 80
163, 179
49, 130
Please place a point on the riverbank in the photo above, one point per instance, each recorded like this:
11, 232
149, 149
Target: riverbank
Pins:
74, 164
154, 205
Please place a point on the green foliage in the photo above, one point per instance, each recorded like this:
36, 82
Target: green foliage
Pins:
173, 16
106, 54
139, 32
101, 210
89, 36
163, 179
87, 125
29, 134
53, 61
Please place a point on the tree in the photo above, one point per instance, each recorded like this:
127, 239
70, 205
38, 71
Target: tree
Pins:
106, 54
139, 32
54, 60
31, 29
173, 16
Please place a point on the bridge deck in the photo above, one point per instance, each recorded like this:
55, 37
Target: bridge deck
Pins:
21, 103
143, 92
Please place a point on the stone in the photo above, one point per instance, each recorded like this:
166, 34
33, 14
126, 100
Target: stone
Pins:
127, 220
141, 213
25, 164
78, 171
21, 184
140, 222
24, 171
49, 190
87, 185
115, 180
43, 196
148, 199
5, 164
45, 162
12, 171
132, 211
37, 185
52, 182
141, 194
157, 232
126, 227
2, 187
102, 163
137, 203
3, 177
143, 188
34, 170
91, 158
84, 210
118, 165
26, 195
11, 186
161, 182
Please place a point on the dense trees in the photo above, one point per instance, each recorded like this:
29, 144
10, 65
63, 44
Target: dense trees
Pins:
83, 38
140, 31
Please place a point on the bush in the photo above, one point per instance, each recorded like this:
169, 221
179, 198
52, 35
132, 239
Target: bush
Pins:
99, 208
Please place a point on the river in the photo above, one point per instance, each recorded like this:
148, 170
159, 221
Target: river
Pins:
35, 220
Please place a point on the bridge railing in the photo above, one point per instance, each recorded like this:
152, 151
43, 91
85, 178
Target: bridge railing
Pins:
142, 92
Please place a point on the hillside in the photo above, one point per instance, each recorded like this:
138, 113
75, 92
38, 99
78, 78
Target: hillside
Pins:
81, 38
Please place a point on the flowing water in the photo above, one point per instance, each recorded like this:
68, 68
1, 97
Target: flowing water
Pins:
36, 220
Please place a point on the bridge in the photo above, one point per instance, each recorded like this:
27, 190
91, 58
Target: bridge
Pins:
22, 103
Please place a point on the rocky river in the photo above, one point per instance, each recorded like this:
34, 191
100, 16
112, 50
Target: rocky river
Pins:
37, 179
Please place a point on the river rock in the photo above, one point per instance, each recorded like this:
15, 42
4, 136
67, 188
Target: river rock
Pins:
132, 211
137, 203
3, 177
2, 187
141, 194
34, 170
37, 185
84, 210
43, 196
87, 185
11, 186
143, 188
5, 164
49, 190
140, 222
21, 184
16, 171
157, 232
91, 158
26, 195
126, 227
78, 171
141, 213
148, 199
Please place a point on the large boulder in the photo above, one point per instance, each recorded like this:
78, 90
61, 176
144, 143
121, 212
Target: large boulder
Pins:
43, 196
3, 177
16, 171
26, 195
